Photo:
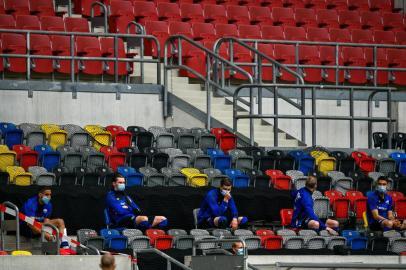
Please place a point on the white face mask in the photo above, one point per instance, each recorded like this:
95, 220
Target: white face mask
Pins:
240, 251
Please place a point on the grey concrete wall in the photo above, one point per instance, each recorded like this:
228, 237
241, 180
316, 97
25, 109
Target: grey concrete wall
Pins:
40, 262
89, 108
334, 133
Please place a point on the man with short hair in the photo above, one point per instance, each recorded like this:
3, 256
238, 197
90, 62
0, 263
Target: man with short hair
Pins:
380, 207
124, 212
304, 216
107, 262
237, 248
218, 209
39, 208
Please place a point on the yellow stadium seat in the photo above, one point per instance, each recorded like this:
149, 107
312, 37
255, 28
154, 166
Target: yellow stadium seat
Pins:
324, 162
194, 177
101, 137
21, 253
365, 219
19, 176
55, 135
93, 128
7, 157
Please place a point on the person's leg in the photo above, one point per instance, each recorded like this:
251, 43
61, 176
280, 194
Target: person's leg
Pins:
220, 222
242, 222
333, 224
386, 225
60, 224
142, 223
403, 225
159, 221
311, 224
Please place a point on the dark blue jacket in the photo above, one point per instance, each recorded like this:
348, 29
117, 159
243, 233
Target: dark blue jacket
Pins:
375, 202
120, 205
32, 208
303, 208
213, 206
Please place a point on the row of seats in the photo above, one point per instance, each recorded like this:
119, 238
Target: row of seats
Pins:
44, 23
25, 7
381, 140
263, 238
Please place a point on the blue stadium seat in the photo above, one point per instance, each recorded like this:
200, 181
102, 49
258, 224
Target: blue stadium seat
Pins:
240, 180
400, 159
219, 160
354, 240
305, 162
48, 158
11, 134
113, 239
132, 177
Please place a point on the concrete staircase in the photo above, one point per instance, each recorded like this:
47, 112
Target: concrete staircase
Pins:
222, 109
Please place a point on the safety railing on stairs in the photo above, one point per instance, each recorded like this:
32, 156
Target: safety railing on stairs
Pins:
173, 60
15, 214
169, 259
276, 95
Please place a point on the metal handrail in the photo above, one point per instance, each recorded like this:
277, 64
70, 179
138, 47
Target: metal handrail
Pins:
176, 40
16, 214
232, 40
288, 266
222, 240
168, 258
53, 228
72, 57
313, 116
105, 14
140, 30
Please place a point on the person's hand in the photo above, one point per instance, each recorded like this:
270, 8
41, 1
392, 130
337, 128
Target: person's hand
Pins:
396, 223
234, 224
227, 197
331, 231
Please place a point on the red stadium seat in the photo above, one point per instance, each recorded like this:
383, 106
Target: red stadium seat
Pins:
295, 33
121, 14
327, 18
282, 182
340, 35
7, 21
264, 233
337, 4
362, 36
273, 242
121, 137
225, 139
397, 59
27, 22
159, 239
250, 31
61, 47
265, 3
180, 28
293, 3
107, 50
25, 156
396, 195
371, 19
267, 49
215, 14
286, 217
283, 16
272, 32
76, 24
354, 56
113, 157
341, 208
400, 38
159, 29
400, 208
349, 19
51, 23
316, 4
14, 44
328, 58
353, 195
382, 61
305, 17
332, 195
364, 162
238, 15
153, 233
191, 13
260, 15
168, 12
203, 31
358, 4
309, 55
2, 11
84, 7
89, 47
226, 30
318, 34
145, 11
17, 7
393, 21
380, 5
41, 45
286, 55
42, 7
384, 37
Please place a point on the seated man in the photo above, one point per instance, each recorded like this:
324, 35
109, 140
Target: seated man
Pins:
125, 213
39, 208
379, 209
237, 248
303, 212
218, 209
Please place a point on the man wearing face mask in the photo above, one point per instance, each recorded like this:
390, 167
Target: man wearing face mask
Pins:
218, 209
237, 248
304, 216
39, 208
124, 212
379, 209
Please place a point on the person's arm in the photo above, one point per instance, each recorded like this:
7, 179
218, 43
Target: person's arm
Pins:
114, 205
373, 207
136, 209
307, 202
215, 208
233, 208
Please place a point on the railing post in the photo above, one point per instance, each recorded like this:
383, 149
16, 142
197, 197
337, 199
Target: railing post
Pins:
208, 92
2, 221
28, 59
390, 126
314, 120
252, 140
303, 110
352, 117
276, 124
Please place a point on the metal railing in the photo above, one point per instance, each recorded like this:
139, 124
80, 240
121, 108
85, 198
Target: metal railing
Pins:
289, 266
50, 247
105, 13
3, 223
73, 58
173, 52
274, 89
257, 63
169, 259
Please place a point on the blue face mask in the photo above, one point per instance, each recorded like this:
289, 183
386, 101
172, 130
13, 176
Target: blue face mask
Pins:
45, 199
240, 251
381, 189
120, 187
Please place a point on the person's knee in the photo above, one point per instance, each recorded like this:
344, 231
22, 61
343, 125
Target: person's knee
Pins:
60, 222
222, 222
242, 221
140, 219
388, 223
315, 225
333, 223
142, 223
